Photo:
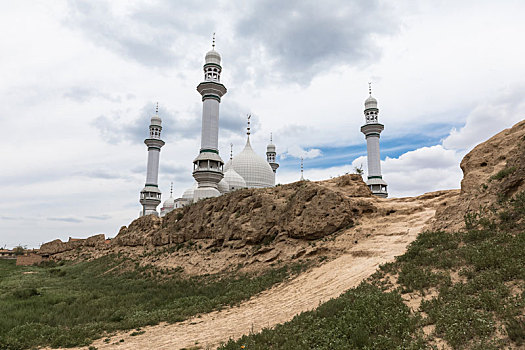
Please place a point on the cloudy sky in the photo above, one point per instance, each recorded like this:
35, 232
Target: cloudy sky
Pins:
79, 81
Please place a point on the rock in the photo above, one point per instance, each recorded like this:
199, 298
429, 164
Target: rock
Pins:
493, 170
96, 240
301, 210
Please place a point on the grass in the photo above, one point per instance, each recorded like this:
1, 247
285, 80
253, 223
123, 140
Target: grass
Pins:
72, 304
503, 173
471, 283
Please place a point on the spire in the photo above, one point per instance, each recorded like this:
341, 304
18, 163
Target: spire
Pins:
213, 42
157, 109
271, 138
370, 89
171, 190
248, 128
231, 151
302, 177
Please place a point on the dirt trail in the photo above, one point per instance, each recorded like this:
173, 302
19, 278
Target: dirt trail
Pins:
381, 239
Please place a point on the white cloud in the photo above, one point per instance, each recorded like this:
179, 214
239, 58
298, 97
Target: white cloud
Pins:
488, 118
298, 152
71, 62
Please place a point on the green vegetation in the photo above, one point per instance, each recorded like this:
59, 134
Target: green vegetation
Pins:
72, 304
471, 285
503, 173
362, 318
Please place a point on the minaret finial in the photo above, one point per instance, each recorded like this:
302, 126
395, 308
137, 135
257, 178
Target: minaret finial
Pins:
370, 88
231, 151
157, 109
271, 138
248, 128
171, 190
213, 42
302, 177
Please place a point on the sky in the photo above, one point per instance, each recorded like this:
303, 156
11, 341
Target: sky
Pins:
79, 81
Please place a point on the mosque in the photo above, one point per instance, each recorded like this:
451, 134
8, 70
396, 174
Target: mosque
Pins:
245, 170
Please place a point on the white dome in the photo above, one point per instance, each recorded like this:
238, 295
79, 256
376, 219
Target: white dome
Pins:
370, 102
223, 186
213, 57
155, 120
253, 169
169, 203
270, 148
235, 181
188, 194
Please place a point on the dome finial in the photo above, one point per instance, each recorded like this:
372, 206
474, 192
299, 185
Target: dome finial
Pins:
157, 109
370, 89
248, 128
302, 177
271, 138
171, 190
231, 151
213, 42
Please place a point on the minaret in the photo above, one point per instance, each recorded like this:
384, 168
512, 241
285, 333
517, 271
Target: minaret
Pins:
372, 129
302, 177
150, 194
208, 166
270, 155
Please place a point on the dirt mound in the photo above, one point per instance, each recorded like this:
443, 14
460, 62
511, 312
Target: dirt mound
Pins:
493, 170
301, 210
57, 246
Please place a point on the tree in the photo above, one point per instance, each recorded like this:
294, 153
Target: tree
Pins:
359, 170
19, 250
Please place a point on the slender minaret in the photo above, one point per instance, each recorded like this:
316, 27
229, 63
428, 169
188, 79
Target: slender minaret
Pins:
302, 177
271, 154
372, 129
150, 194
208, 166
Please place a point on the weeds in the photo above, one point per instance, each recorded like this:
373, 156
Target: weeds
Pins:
488, 257
76, 303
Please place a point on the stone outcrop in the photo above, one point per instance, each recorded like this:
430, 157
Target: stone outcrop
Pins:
301, 210
57, 246
493, 170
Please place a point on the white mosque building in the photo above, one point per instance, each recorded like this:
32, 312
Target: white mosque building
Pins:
212, 177
245, 170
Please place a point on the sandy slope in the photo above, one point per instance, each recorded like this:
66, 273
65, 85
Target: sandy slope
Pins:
381, 238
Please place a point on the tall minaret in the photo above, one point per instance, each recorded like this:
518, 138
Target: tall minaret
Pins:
270, 155
372, 129
208, 166
150, 194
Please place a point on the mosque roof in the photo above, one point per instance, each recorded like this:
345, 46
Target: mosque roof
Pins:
252, 168
234, 180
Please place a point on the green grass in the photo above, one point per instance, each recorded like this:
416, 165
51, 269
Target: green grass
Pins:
503, 173
73, 304
473, 283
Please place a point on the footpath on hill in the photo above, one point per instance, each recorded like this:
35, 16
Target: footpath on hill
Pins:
382, 238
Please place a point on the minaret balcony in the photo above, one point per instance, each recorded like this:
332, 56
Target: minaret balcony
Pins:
371, 129
154, 143
211, 88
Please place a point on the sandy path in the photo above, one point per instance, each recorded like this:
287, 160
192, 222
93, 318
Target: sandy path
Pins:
281, 303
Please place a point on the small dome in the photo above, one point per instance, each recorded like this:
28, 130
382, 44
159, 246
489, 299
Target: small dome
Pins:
253, 169
223, 186
235, 181
370, 102
155, 120
270, 148
169, 203
213, 57
188, 194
